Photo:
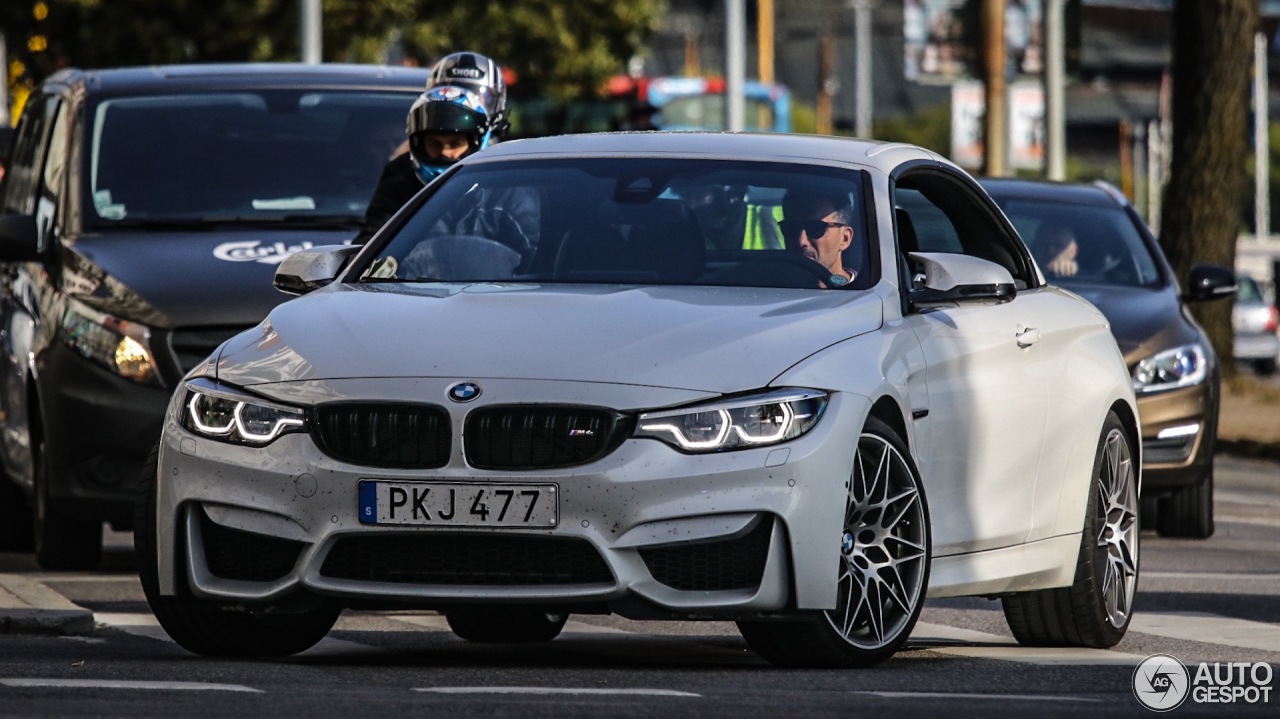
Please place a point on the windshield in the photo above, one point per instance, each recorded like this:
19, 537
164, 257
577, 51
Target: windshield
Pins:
636, 221
1084, 244
263, 155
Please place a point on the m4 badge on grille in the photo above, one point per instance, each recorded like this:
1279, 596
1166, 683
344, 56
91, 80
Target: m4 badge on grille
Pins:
582, 433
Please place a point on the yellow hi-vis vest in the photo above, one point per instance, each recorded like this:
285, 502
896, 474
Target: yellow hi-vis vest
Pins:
762, 232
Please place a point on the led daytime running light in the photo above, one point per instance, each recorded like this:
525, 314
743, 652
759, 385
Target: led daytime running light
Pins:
236, 425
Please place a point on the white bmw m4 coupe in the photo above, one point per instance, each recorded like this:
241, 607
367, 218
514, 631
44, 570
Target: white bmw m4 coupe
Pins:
799, 383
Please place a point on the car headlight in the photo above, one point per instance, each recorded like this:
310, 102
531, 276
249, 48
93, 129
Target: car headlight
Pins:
121, 346
219, 412
739, 423
1170, 369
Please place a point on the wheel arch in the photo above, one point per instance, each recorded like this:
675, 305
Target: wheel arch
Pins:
1132, 429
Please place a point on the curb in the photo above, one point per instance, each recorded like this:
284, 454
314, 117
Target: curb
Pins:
29, 607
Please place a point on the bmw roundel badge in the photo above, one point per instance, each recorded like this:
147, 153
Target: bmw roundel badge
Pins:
464, 391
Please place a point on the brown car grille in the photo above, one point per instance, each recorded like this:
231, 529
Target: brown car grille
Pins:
466, 559
540, 437
733, 563
410, 436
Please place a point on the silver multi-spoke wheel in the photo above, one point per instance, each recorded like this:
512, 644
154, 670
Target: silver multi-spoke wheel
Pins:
1118, 534
1094, 611
883, 548
883, 552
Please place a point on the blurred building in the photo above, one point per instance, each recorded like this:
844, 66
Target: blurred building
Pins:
1118, 52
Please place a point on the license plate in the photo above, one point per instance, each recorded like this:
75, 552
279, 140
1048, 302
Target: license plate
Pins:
458, 504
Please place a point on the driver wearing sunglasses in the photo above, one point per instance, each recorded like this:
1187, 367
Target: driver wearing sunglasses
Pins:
820, 228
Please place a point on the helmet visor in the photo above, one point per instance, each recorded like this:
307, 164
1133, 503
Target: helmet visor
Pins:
446, 117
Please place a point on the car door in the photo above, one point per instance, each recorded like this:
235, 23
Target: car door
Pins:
986, 372
32, 186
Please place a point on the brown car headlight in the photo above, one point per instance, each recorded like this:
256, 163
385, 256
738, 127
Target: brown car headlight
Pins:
1178, 367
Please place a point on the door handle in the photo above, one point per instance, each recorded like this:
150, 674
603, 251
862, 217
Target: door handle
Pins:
1028, 337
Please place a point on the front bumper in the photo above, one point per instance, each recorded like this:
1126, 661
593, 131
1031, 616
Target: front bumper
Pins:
1179, 428
730, 534
99, 428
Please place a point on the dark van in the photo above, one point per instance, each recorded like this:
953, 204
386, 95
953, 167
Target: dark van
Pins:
142, 216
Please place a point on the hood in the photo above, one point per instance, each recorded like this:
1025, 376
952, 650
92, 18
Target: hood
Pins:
179, 279
1143, 320
700, 338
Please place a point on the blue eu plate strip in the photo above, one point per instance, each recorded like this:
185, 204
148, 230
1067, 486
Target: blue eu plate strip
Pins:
368, 503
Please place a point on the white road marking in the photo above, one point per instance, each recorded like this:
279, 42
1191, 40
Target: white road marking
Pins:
556, 690
981, 645
145, 625
123, 684
959, 695
1209, 628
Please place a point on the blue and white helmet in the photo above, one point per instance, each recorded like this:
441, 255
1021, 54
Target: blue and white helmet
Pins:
449, 108
477, 73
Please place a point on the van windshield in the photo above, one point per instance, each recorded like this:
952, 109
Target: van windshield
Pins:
250, 156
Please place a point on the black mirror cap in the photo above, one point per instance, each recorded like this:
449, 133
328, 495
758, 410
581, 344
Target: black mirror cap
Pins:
1210, 282
18, 238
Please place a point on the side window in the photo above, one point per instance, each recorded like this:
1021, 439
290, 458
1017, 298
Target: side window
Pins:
938, 213
23, 174
49, 198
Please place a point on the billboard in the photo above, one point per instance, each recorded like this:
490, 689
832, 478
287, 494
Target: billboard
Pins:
1025, 124
940, 39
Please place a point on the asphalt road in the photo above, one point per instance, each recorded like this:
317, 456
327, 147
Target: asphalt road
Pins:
1211, 601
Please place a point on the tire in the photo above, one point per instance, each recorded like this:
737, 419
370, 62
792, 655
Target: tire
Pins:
491, 624
61, 542
16, 534
1188, 512
885, 545
213, 630
1096, 609
1149, 515
1266, 367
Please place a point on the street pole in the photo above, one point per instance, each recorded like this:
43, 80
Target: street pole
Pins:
309, 29
862, 80
735, 33
1261, 142
995, 123
1055, 71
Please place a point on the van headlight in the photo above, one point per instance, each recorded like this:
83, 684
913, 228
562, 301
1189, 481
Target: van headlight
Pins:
219, 412
1178, 367
121, 346
739, 423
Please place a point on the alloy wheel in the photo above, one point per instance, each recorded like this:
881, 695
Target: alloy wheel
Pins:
883, 557
1118, 528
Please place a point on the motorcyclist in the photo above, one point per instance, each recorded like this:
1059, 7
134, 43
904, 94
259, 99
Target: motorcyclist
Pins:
462, 111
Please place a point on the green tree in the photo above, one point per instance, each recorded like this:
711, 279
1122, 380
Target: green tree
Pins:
560, 48
1212, 60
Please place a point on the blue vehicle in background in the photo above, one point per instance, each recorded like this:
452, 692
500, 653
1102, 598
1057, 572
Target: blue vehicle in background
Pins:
698, 103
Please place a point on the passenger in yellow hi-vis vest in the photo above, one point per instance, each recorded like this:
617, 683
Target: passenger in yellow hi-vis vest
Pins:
762, 231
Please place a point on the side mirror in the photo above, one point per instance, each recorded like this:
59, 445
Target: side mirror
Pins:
312, 269
1210, 282
944, 277
18, 238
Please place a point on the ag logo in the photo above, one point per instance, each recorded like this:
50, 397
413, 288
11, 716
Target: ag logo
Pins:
464, 391
1161, 682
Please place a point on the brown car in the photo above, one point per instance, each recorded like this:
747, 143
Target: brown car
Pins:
1089, 239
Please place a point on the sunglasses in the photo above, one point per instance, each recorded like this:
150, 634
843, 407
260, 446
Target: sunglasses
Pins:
812, 228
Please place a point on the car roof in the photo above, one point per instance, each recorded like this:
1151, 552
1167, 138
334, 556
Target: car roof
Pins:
1076, 193
777, 147
161, 79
